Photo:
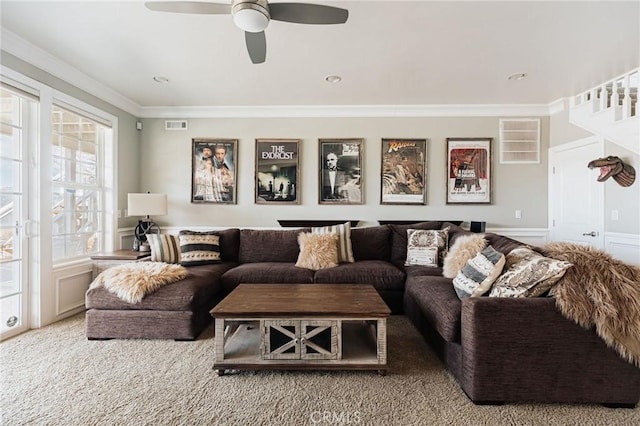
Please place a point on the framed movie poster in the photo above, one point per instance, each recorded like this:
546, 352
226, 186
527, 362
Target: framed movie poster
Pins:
468, 170
277, 171
403, 171
214, 171
340, 171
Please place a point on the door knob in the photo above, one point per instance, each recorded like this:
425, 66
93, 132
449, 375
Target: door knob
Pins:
590, 234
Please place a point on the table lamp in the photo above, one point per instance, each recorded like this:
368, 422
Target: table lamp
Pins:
146, 205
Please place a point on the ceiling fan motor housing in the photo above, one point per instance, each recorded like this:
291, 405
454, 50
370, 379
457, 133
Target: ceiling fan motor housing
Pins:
251, 15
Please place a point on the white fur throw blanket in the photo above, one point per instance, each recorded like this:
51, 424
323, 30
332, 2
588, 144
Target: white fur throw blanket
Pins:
603, 292
132, 281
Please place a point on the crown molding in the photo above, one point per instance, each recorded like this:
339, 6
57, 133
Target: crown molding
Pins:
557, 106
322, 111
43, 60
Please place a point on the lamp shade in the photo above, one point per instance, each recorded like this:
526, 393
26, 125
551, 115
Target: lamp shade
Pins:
147, 204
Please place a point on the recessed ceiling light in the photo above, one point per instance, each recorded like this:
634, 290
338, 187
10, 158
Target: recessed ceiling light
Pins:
333, 79
517, 76
160, 79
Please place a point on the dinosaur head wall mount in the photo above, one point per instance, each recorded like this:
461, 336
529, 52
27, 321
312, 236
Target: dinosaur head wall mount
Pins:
611, 166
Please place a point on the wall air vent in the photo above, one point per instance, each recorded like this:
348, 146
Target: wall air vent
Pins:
519, 140
176, 125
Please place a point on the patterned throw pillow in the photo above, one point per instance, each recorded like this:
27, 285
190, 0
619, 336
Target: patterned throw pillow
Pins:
477, 276
422, 243
465, 247
164, 248
528, 274
317, 251
199, 248
345, 253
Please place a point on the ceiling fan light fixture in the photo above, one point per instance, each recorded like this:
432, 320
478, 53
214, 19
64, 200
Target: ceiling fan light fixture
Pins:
251, 16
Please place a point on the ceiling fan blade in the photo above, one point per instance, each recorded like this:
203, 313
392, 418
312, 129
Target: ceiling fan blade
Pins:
256, 46
189, 7
304, 13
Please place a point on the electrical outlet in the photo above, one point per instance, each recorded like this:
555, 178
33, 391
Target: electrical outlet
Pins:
614, 214
518, 214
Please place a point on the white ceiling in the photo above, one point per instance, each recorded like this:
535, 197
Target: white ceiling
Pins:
388, 52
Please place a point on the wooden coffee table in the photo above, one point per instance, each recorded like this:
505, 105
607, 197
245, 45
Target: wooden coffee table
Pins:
301, 326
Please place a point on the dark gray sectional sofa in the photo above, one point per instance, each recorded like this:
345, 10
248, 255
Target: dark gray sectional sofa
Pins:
498, 349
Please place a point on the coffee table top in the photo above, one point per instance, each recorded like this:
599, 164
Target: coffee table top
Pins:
296, 300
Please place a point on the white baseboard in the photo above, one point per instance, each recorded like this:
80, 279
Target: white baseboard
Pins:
531, 236
624, 247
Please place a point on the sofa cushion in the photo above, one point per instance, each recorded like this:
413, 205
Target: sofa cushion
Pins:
503, 244
371, 243
477, 276
464, 248
317, 251
266, 245
199, 248
426, 247
438, 302
425, 271
200, 287
229, 243
265, 272
343, 231
529, 274
382, 275
164, 248
399, 239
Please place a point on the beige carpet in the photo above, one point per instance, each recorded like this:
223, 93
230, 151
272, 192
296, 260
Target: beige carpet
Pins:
55, 376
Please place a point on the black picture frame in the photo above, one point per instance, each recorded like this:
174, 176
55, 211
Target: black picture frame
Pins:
340, 172
277, 171
214, 171
403, 171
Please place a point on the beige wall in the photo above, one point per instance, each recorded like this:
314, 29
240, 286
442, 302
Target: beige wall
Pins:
166, 167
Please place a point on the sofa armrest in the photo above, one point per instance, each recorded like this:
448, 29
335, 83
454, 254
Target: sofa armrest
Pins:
524, 349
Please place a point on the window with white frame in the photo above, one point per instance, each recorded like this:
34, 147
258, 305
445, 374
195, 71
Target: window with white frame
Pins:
78, 184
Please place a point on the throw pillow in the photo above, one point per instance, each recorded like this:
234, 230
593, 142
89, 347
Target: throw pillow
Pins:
199, 248
528, 274
421, 245
164, 248
464, 248
479, 273
317, 251
345, 253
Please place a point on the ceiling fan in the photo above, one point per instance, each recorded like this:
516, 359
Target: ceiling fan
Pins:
253, 16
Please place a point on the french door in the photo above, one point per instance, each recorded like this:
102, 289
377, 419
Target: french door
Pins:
14, 243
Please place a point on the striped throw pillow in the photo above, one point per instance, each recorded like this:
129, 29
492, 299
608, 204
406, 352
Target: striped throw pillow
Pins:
199, 248
343, 231
479, 274
164, 248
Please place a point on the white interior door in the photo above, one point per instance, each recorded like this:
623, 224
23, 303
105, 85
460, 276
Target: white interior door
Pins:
576, 198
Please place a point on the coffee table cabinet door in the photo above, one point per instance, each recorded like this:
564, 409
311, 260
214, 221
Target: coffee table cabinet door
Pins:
320, 339
280, 339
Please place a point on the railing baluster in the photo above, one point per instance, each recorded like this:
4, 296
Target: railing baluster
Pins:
604, 97
626, 100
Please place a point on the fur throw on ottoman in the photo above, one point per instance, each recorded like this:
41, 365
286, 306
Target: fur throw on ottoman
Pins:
600, 291
133, 281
